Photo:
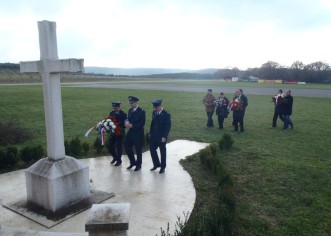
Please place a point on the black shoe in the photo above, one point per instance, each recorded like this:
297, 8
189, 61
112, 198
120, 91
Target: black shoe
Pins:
118, 163
130, 166
154, 168
241, 130
161, 171
113, 161
137, 168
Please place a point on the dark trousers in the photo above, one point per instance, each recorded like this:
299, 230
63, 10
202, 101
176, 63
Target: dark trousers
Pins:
238, 118
220, 121
277, 114
115, 147
210, 122
129, 143
287, 122
153, 145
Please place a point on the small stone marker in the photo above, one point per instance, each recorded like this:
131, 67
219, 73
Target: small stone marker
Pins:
106, 218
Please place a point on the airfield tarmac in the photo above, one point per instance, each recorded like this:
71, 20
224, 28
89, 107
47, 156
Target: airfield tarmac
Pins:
197, 88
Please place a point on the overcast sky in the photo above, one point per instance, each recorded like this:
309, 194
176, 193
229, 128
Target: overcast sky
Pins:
187, 34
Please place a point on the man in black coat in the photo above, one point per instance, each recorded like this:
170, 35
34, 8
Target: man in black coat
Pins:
279, 106
115, 140
159, 130
288, 104
135, 136
239, 112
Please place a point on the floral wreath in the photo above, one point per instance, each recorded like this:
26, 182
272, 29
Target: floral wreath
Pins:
235, 104
277, 99
107, 125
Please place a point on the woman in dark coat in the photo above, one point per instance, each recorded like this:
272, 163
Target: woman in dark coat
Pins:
222, 112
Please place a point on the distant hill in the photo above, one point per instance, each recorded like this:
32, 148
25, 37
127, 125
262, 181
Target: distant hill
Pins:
143, 71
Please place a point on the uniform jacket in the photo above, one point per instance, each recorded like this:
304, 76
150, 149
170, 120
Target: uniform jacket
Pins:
244, 101
120, 118
160, 125
137, 118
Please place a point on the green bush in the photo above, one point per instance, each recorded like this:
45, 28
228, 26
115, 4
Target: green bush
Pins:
3, 159
67, 147
85, 147
97, 146
29, 154
226, 142
12, 155
75, 147
38, 152
208, 159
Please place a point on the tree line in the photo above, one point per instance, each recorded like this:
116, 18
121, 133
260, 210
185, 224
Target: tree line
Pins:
316, 72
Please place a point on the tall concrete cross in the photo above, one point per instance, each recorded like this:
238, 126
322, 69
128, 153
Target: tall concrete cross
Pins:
57, 181
50, 68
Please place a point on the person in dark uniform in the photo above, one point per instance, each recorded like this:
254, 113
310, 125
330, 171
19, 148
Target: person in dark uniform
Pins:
159, 130
222, 112
115, 140
135, 136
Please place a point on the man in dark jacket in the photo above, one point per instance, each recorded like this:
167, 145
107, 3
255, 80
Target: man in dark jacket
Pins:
159, 130
135, 136
239, 111
278, 102
115, 140
288, 104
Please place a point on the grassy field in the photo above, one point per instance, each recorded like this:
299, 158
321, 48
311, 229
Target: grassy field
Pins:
282, 177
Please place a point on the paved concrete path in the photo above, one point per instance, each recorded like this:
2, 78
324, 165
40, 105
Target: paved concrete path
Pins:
156, 199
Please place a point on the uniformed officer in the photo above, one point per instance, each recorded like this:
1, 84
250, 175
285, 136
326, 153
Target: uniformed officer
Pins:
135, 136
159, 130
115, 140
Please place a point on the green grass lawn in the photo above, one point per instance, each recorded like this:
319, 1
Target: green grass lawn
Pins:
282, 177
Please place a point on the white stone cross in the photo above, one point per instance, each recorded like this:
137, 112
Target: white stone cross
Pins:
50, 68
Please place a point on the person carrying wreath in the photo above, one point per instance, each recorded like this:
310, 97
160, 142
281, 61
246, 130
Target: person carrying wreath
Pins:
116, 140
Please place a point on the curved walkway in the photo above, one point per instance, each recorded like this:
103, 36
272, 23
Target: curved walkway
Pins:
155, 199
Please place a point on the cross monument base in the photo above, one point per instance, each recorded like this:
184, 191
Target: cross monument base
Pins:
54, 185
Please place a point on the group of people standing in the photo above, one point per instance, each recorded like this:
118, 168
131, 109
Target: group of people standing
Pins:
134, 123
222, 105
283, 108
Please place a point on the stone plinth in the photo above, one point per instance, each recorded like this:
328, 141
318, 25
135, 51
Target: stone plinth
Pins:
53, 185
108, 218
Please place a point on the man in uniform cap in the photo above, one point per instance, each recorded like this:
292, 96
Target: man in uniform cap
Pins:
159, 130
135, 136
115, 141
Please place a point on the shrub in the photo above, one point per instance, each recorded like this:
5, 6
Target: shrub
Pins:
29, 154
75, 146
12, 155
85, 147
67, 147
97, 146
38, 152
3, 158
226, 142
208, 159
26, 154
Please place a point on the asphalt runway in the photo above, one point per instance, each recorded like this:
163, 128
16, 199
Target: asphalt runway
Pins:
216, 89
